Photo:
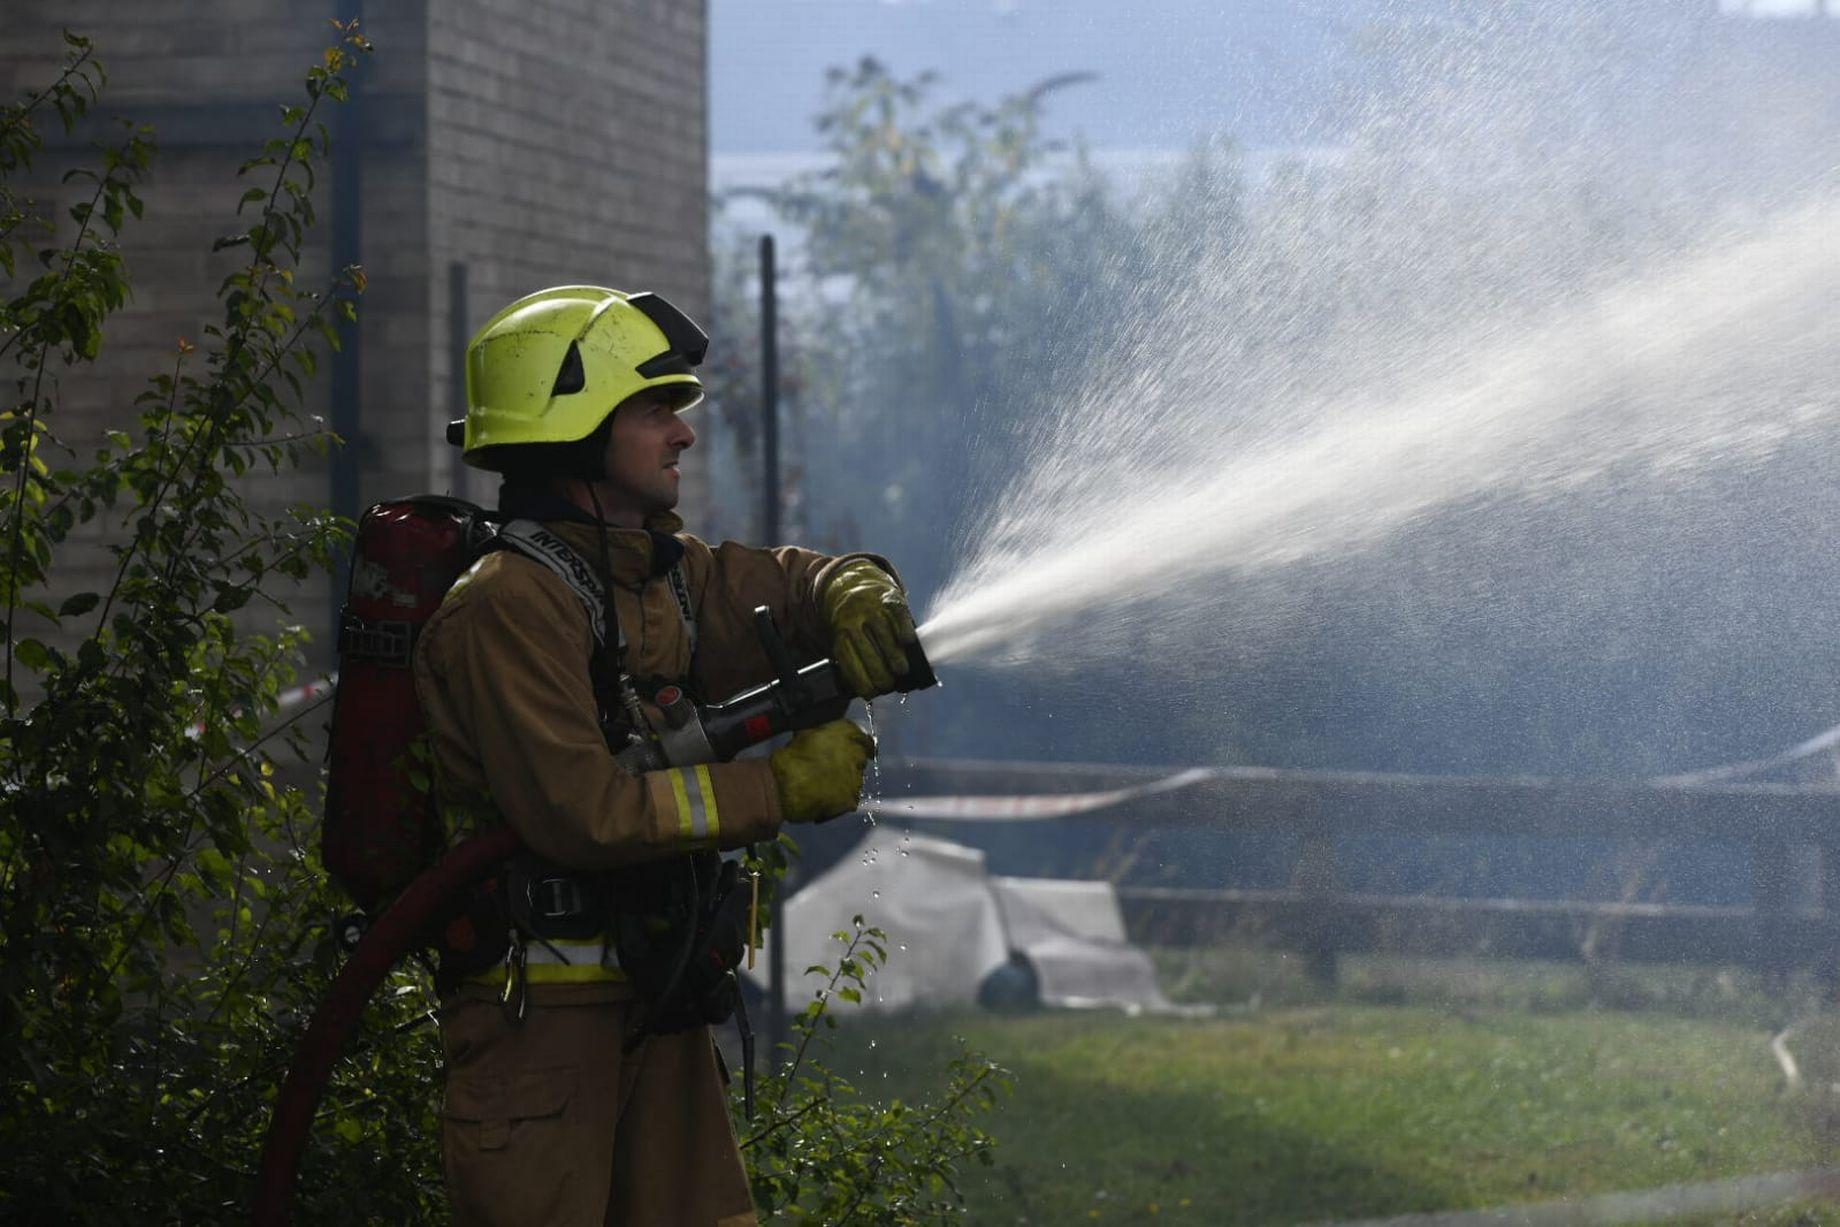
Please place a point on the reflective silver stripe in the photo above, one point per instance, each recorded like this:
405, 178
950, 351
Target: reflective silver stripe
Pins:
564, 953
699, 806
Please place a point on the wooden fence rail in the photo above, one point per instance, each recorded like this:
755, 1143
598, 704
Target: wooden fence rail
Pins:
1782, 825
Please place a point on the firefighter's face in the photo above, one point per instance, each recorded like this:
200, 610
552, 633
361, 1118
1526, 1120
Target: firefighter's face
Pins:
642, 450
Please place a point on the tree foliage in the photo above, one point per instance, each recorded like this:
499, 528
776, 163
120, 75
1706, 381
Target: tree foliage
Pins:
163, 928
942, 268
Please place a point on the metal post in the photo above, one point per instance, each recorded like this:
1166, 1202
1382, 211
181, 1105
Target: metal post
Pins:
769, 533
1773, 952
1826, 906
347, 240
458, 313
769, 394
1317, 877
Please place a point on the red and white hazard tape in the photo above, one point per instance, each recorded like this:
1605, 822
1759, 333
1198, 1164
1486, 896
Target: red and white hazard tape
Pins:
1822, 743
306, 694
317, 689
1026, 808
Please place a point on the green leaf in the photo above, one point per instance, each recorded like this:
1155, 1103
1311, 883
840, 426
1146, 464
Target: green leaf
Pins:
214, 866
32, 654
81, 603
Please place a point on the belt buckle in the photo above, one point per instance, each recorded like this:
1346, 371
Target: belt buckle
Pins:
561, 898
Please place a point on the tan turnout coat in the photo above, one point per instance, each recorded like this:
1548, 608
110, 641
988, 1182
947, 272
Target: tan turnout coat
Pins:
501, 670
547, 1120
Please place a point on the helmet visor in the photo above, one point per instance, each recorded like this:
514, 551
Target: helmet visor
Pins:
688, 343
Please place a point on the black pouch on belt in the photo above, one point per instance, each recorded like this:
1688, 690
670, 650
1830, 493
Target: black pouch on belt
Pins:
655, 912
685, 973
474, 936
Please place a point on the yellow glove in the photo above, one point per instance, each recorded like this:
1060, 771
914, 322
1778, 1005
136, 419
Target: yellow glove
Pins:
870, 624
819, 773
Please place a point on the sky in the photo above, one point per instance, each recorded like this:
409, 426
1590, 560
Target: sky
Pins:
1780, 8
1170, 71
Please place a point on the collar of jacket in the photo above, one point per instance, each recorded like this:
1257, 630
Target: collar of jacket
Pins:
635, 554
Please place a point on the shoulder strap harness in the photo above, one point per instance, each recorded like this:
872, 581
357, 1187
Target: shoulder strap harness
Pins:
613, 686
539, 544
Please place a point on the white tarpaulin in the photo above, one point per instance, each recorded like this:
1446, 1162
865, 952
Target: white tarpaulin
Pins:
949, 923
1073, 935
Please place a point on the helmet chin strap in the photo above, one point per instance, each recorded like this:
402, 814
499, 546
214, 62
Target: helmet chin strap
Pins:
600, 519
593, 471
591, 486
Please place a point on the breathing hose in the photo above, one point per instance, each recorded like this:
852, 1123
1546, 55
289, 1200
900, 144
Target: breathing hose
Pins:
401, 928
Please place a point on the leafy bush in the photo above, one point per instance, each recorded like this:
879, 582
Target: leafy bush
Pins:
818, 1151
163, 928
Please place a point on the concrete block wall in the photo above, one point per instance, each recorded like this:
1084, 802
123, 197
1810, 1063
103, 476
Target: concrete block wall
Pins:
210, 78
568, 143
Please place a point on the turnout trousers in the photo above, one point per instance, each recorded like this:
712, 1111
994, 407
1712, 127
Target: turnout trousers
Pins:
548, 1122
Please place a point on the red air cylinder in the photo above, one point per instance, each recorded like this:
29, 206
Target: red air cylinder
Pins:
381, 829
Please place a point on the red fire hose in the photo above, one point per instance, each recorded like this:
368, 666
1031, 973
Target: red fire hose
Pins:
401, 927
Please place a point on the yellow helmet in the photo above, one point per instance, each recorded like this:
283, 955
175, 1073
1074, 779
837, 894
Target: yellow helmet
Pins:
550, 367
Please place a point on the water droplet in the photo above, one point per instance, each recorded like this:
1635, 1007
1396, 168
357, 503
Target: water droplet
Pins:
875, 894
872, 790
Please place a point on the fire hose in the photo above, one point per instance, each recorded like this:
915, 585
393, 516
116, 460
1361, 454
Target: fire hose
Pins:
399, 928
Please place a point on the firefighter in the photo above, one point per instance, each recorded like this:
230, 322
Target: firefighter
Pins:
582, 1083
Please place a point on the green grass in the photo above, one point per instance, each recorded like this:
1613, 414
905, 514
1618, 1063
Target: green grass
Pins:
1348, 1109
1240, 977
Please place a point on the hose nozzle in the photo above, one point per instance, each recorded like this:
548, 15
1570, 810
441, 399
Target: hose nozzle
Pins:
919, 675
